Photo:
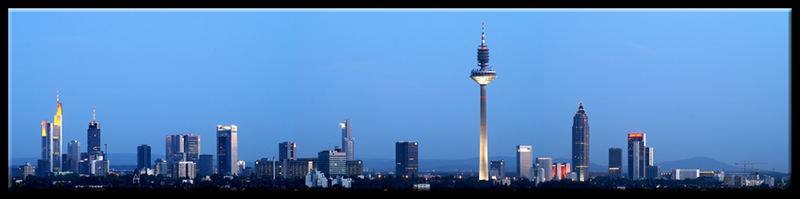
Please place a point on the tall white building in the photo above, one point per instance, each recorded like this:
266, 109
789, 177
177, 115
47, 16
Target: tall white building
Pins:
347, 140
187, 169
545, 167
524, 161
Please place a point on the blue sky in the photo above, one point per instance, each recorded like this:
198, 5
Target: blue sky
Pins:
709, 83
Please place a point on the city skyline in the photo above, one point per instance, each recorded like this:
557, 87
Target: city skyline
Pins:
525, 111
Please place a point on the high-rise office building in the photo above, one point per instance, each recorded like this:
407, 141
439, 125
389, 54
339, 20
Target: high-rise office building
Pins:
547, 165
192, 145
300, 167
406, 159
74, 151
636, 153
561, 171
652, 172
333, 162
186, 169
93, 136
143, 157
227, 150
524, 161
497, 170
580, 144
161, 167
483, 76
183, 143
287, 151
266, 168
56, 138
206, 165
355, 167
43, 166
84, 163
635, 157
347, 139
615, 162
175, 145
648, 156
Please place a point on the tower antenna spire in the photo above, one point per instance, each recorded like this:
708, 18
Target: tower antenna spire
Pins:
93, 114
483, 34
57, 99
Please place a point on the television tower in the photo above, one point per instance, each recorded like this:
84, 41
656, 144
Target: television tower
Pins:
483, 76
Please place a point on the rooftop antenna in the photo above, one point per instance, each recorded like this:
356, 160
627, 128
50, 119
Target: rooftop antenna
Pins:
483, 34
57, 99
93, 113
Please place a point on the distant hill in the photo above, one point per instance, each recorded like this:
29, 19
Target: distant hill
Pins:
702, 163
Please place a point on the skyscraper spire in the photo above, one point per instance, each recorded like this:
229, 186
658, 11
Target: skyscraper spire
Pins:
57, 100
93, 114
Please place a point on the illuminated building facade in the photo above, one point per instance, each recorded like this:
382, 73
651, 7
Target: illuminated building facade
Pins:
406, 159
287, 151
332, 162
524, 161
483, 76
93, 136
55, 139
580, 143
347, 140
544, 168
497, 170
227, 150
637, 161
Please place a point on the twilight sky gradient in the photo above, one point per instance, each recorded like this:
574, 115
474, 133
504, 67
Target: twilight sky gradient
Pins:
698, 82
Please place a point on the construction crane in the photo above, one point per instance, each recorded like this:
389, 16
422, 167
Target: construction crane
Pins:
745, 163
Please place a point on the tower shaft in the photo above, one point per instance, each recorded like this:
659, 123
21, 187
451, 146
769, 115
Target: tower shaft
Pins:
483, 172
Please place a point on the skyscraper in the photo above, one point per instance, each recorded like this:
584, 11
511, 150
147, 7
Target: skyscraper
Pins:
227, 150
635, 160
636, 152
182, 147
483, 76
333, 162
206, 165
192, 145
546, 165
93, 136
287, 151
406, 159
45, 164
74, 150
615, 162
524, 161
55, 144
347, 139
580, 143
497, 170
143, 157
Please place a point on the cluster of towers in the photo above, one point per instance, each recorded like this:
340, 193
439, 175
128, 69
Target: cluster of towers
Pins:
483, 75
93, 162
